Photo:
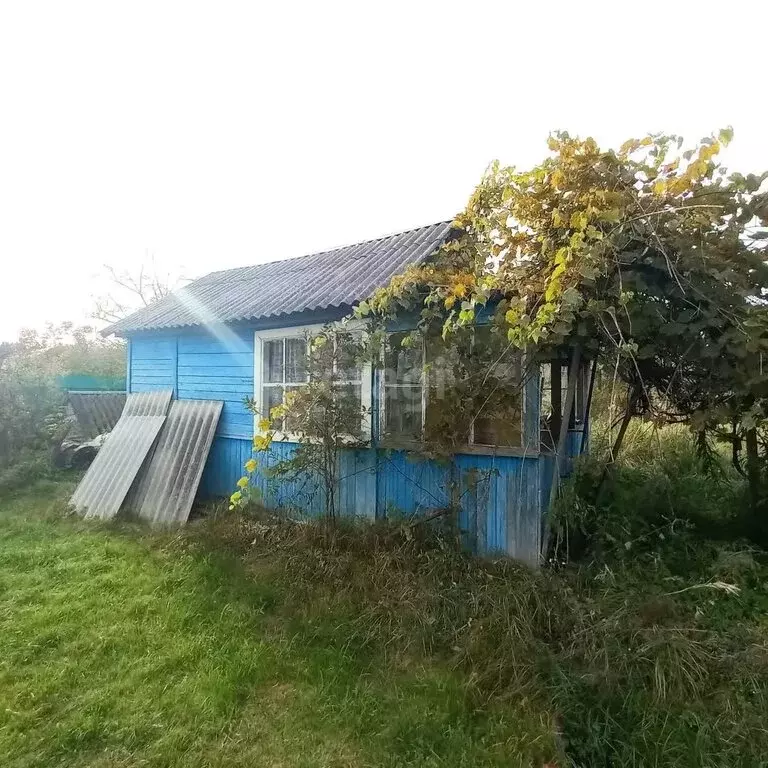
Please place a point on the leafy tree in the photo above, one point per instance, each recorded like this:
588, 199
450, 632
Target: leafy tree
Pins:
32, 407
649, 256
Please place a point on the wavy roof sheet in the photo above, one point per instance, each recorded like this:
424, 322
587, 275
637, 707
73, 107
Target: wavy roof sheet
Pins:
96, 412
337, 278
167, 486
106, 483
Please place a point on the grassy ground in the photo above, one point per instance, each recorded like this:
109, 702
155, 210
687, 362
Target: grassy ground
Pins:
239, 643
120, 648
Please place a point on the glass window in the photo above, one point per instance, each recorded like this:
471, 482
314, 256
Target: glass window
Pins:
346, 378
403, 390
423, 378
285, 368
499, 419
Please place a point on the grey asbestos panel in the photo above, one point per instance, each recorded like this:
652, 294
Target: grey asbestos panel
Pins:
167, 487
97, 412
109, 478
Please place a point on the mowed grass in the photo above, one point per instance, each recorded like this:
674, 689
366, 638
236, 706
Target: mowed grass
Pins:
119, 647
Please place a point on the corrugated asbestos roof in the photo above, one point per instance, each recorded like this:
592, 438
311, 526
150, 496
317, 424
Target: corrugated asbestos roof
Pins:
96, 412
323, 280
167, 486
106, 483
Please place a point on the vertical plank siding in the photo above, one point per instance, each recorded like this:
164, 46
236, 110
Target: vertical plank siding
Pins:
499, 497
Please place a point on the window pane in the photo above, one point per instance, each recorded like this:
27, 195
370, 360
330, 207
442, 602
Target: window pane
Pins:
296, 360
499, 421
445, 372
322, 359
270, 397
348, 402
348, 367
273, 361
402, 409
404, 365
501, 429
291, 419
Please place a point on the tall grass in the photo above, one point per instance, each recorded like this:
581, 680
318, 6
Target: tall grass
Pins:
660, 498
309, 644
636, 663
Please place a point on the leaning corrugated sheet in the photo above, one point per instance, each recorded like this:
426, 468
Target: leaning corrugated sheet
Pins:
335, 278
107, 482
97, 412
167, 487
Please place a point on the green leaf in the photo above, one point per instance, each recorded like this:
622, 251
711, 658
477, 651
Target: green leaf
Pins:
726, 135
571, 297
613, 216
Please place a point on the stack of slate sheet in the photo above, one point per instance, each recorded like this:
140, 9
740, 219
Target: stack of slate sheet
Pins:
96, 412
152, 457
166, 488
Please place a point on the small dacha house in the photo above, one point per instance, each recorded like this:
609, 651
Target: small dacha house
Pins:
237, 334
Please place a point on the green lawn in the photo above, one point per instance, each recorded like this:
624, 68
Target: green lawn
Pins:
122, 648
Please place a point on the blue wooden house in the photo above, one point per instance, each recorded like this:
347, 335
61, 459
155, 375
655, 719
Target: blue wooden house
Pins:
233, 335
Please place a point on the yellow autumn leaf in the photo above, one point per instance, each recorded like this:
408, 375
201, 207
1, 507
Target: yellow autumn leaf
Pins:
278, 411
553, 289
726, 135
708, 152
579, 220
629, 146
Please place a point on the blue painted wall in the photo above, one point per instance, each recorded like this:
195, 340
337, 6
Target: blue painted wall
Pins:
199, 365
500, 497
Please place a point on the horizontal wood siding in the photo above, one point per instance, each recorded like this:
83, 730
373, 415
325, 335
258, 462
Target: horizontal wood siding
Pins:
152, 362
219, 367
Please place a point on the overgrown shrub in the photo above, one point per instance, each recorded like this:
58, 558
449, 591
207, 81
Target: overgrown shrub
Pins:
27, 465
32, 407
32, 410
657, 494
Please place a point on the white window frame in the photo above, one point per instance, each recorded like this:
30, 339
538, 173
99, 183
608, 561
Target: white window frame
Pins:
471, 446
304, 331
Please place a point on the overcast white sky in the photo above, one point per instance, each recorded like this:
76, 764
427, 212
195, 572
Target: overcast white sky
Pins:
220, 134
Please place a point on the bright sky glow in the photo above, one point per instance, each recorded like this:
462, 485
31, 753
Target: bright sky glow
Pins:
215, 135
